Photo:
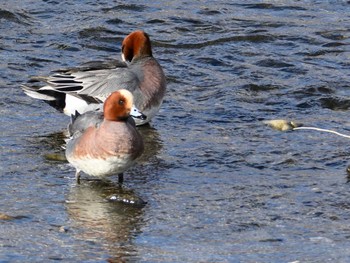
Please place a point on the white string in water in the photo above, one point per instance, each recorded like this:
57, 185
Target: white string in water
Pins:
322, 130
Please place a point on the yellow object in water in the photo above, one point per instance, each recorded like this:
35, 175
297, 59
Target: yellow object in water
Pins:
282, 125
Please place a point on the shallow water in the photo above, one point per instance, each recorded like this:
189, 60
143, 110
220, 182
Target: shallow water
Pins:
220, 186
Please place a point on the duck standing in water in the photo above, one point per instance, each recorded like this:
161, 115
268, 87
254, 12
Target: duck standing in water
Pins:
106, 144
86, 88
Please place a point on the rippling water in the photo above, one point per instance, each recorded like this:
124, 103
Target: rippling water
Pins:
219, 185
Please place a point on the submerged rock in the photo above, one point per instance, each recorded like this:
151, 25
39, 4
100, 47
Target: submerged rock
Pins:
4, 216
56, 157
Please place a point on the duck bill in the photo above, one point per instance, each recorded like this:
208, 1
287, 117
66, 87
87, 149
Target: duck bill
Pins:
136, 114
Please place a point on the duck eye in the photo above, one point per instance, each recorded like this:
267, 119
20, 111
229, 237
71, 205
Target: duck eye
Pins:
121, 102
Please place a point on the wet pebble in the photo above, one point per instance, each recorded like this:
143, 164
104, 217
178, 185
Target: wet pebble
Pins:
127, 199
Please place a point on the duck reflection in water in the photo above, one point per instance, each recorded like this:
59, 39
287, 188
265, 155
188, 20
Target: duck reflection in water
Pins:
96, 219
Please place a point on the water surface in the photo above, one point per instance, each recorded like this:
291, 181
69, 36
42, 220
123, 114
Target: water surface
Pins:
220, 186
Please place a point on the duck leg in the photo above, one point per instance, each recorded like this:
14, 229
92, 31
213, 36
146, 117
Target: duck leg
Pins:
120, 178
77, 176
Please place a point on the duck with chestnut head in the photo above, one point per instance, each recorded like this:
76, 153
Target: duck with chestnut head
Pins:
106, 144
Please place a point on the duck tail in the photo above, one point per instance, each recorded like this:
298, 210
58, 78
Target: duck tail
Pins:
50, 96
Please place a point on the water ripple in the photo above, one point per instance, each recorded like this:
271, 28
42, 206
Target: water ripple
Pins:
233, 189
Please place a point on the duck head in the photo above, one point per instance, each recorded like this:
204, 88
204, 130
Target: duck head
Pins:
119, 106
137, 44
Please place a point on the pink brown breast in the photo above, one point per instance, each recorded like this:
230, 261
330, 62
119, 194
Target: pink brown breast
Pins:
112, 139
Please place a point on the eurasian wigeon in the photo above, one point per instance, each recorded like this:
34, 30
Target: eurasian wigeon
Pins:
108, 144
83, 88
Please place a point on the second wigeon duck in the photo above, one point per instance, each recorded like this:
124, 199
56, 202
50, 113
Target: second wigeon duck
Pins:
84, 88
108, 144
